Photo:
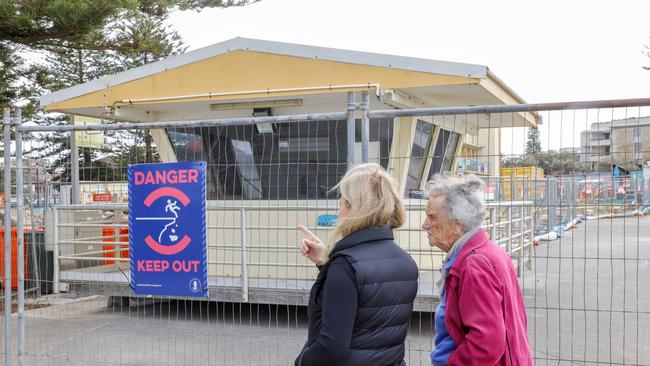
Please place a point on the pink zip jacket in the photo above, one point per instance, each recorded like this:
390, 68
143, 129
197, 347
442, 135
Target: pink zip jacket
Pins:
485, 314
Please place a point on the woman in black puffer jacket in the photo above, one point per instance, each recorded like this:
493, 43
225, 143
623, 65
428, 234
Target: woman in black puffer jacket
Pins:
361, 302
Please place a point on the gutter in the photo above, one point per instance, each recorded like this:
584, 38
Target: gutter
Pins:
509, 90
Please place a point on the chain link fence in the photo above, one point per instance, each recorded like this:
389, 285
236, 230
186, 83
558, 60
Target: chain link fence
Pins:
578, 240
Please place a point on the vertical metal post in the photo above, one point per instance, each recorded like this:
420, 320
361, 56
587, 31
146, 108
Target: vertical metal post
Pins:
34, 269
55, 238
7, 190
46, 193
365, 125
244, 255
74, 166
551, 194
509, 242
351, 129
20, 208
574, 199
513, 192
493, 223
521, 247
531, 250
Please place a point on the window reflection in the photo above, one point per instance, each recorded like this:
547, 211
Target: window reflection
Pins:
419, 152
443, 154
299, 160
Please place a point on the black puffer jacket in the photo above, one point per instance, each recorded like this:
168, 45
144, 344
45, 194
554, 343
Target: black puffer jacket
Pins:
369, 292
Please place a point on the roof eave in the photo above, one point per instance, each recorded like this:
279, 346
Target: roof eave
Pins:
512, 93
280, 48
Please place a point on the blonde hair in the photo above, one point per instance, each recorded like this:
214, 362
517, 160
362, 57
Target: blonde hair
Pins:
372, 198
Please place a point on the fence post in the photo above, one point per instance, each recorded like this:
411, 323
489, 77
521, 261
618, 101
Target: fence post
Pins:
522, 237
493, 221
365, 125
531, 249
551, 193
74, 170
351, 128
244, 255
574, 199
20, 212
34, 269
509, 242
56, 270
7, 262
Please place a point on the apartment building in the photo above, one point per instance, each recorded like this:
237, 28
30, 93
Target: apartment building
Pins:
622, 141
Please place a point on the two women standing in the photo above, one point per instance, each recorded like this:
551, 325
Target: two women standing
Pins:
361, 302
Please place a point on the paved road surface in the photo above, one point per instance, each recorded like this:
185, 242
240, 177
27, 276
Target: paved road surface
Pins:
588, 298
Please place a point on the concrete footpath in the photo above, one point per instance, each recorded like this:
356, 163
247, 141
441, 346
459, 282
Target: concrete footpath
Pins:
588, 300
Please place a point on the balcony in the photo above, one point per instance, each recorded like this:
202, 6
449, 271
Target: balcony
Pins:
600, 142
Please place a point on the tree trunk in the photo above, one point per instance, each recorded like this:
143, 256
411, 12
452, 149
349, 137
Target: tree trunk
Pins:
80, 66
85, 171
147, 147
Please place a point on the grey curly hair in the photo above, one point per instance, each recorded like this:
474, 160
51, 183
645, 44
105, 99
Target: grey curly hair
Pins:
463, 201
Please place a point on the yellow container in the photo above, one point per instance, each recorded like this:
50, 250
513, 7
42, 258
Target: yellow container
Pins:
532, 172
523, 180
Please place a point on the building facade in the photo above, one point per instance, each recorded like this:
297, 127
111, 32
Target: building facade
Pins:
244, 77
624, 141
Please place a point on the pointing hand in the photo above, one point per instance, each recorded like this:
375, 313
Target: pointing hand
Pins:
312, 247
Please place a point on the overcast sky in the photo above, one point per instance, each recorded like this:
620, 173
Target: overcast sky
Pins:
546, 51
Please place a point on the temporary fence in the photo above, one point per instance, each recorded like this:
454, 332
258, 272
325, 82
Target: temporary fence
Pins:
581, 268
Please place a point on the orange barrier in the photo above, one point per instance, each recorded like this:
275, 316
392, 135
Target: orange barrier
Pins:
14, 257
108, 233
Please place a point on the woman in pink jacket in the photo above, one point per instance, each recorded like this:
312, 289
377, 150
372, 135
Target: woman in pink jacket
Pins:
481, 319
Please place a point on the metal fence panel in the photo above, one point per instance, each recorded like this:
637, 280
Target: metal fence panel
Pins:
577, 234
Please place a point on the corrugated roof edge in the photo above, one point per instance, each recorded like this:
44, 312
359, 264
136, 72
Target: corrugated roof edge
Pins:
505, 86
288, 49
509, 90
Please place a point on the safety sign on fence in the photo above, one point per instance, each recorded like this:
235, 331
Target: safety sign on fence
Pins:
167, 225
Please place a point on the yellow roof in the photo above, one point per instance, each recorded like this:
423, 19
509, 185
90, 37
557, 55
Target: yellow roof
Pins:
246, 70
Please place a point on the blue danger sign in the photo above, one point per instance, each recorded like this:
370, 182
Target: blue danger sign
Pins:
167, 226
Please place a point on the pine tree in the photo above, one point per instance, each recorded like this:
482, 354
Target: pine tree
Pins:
9, 62
533, 145
64, 67
75, 42
148, 40
41, 24
145, 39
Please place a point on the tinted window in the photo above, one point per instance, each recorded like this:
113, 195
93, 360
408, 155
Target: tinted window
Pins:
419, 151
443, 154
300, 160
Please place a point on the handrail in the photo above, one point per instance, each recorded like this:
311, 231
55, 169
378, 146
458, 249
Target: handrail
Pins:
213, 205
390, 113
514, 242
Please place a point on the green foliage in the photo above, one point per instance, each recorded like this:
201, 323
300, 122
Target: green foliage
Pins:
556, 163
553, 163
64, 67
146, 39
48, 23
132, 32
533, 144
70, 42
86, 24
9, 62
